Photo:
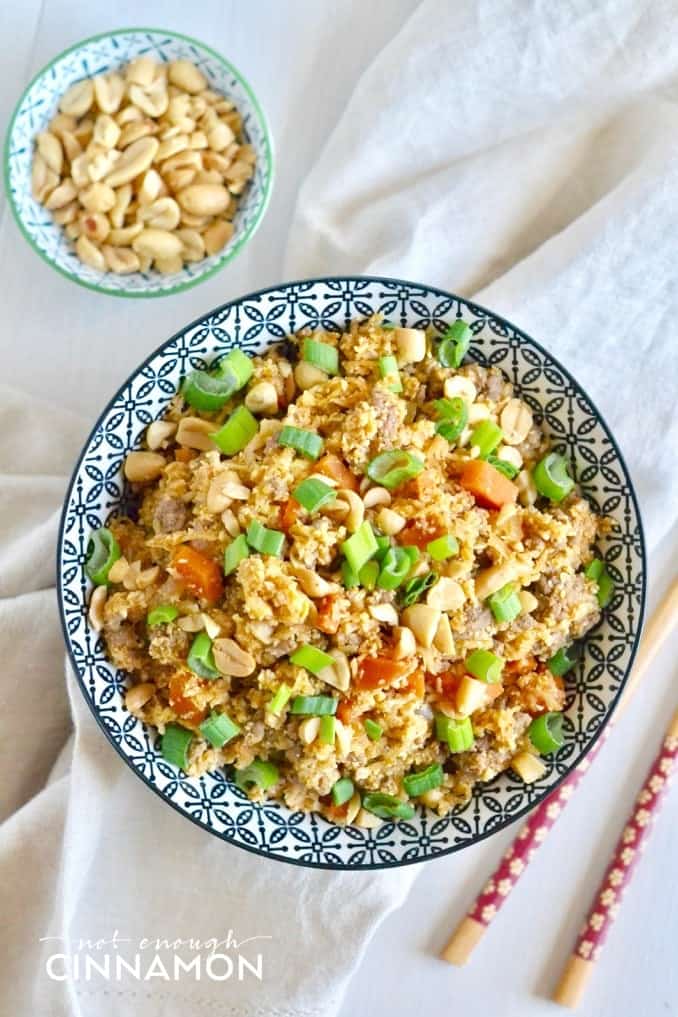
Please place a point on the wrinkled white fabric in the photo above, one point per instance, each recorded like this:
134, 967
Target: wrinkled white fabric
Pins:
519, 152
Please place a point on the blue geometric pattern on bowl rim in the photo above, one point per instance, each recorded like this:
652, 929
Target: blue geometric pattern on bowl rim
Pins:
38, 105
576, 428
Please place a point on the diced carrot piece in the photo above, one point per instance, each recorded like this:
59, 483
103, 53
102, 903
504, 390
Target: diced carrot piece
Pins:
289, 513
200, 574
374, 672
420, 532
418, 486
345, 711
183, 705
417, 684
336, 813
331, 466
327, 619
490, 488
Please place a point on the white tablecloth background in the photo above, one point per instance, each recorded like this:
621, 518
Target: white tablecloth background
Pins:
304, 59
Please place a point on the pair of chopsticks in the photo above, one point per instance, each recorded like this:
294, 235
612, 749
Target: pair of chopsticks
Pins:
496, 891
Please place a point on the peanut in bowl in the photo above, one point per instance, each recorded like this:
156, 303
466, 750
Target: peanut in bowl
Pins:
340, 609
138, 163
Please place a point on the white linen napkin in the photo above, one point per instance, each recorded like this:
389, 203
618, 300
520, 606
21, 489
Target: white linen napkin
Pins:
521, 154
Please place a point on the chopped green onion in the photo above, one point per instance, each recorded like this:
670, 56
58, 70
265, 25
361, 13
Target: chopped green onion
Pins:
349, 578
388, 325
314, 706
237, 367
388, 369
312, 494
280, 699
551, 477
560, 663
368, 575
201, 659
308, 443
421, 781
546, 732
457, 733
102, 551
454, 344
417, 587
373, 730
454, 417
412, 553
505, 604
594, 569
387, 806
237, 432
395, 569
485, 666
265, 541
391, 469
311, 658
360, 547
605, 588
508, 469
321, 355
383, 544
259, 773
161, 615
486, 436
174, 745
443, 547
342, 790
206, 392
236, 551
218, 729
327, 729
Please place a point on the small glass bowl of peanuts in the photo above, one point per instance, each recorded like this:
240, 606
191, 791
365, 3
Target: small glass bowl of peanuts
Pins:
138, 163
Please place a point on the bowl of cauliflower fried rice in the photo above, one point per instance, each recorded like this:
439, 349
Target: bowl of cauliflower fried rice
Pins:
351, 572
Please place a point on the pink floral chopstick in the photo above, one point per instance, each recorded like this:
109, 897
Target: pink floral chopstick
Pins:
618, 875
473, 926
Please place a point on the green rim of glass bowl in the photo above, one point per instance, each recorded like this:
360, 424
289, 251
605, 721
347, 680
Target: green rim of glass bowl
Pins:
240, 243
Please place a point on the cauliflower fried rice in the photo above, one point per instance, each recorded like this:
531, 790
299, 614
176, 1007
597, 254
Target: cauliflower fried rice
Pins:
218, 644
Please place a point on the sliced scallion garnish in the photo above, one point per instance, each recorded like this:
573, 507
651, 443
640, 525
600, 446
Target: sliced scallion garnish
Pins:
174, 745
486, 435
505, 604
218, 729
236, 551
265, 541
360, 547
103, 551
201, 659
393, 468
321, 355
443, 548
484, 665
546, 732
314, 706
387, 806
260, 773
373, 730
421, 781
161, 615
312, 494
342, 790
307, 443
551, 477
237, 432
388, 370
311, 658
454, 344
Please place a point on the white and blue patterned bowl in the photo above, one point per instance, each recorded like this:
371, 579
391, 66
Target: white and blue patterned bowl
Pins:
576, 428
39, 104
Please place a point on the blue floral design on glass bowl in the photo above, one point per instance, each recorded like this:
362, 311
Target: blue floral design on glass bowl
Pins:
252, 323
39, 104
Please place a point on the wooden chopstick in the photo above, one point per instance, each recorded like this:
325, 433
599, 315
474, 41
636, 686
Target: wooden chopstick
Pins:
496, 891
609, 894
